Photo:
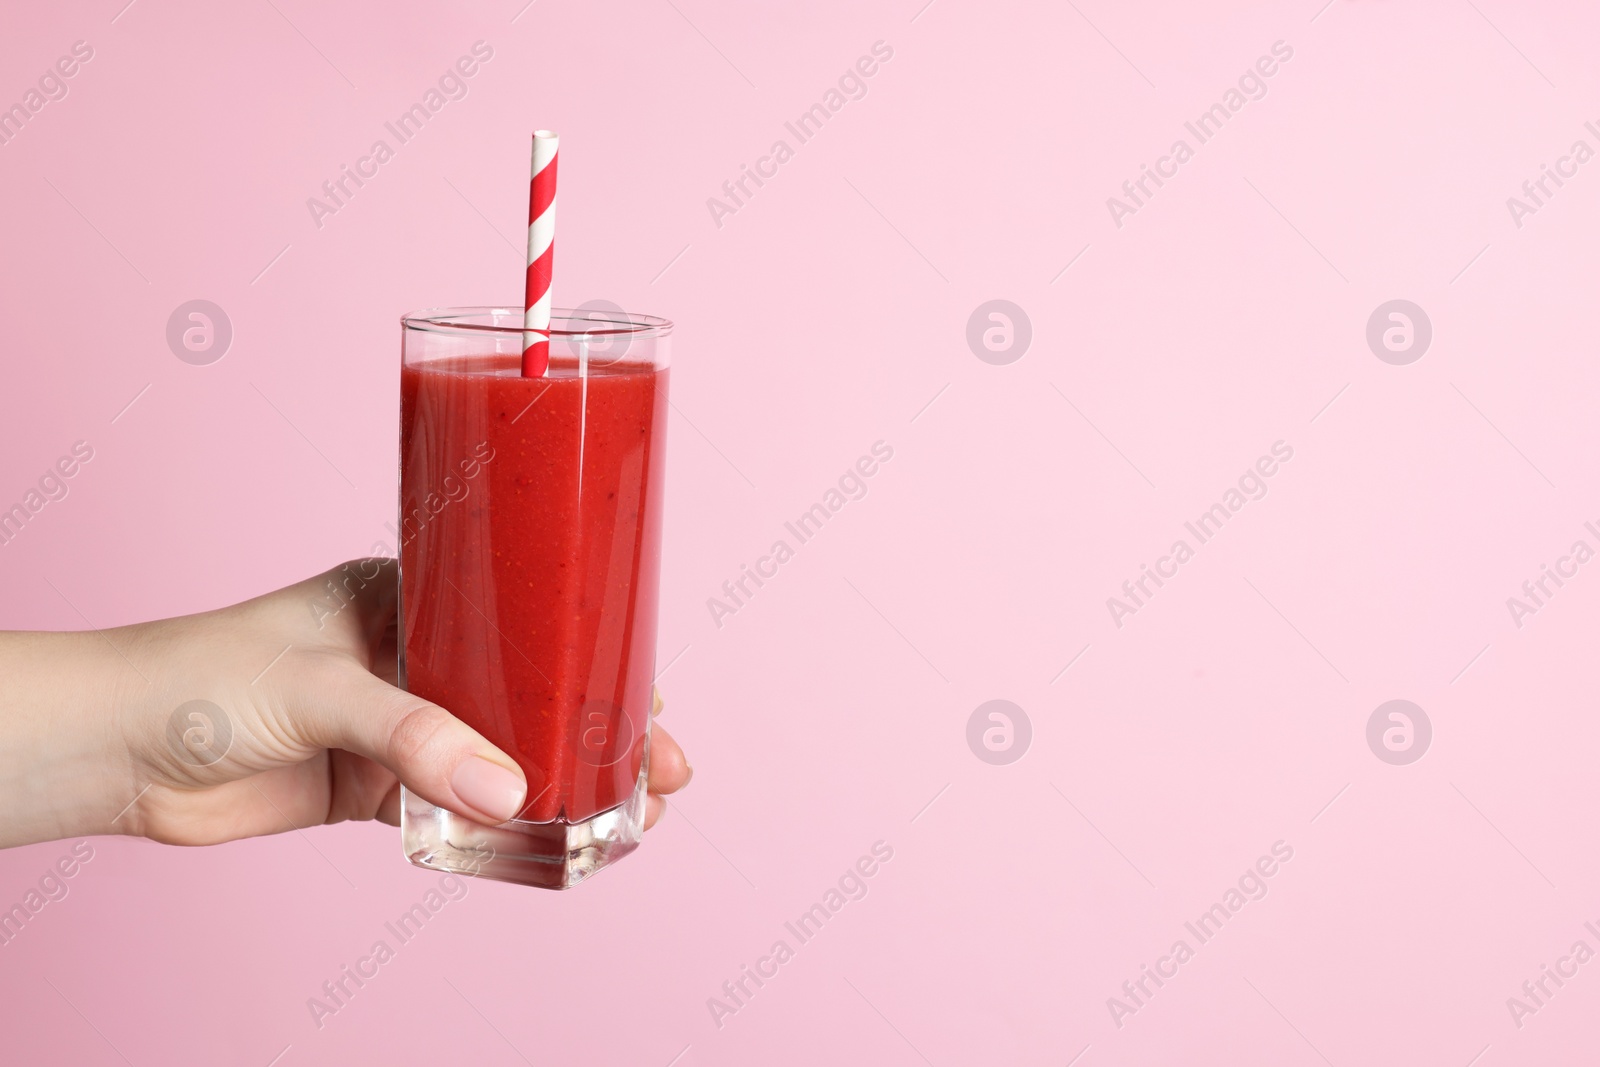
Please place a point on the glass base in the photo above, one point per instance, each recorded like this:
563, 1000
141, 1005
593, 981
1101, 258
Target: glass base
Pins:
551, 855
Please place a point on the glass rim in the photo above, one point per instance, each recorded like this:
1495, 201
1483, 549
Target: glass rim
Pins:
597, 322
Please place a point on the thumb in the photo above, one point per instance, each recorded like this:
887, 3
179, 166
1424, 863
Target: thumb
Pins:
433, 753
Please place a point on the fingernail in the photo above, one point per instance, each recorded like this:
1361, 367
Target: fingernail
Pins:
690, 776
488, 787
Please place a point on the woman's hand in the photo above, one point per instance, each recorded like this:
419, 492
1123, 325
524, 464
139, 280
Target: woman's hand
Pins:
270, 715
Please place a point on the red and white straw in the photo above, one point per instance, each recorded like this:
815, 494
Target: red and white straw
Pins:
541, 253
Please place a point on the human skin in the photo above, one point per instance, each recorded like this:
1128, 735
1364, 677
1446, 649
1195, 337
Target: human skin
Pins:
319, 732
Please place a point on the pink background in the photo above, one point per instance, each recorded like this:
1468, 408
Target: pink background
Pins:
1228, 714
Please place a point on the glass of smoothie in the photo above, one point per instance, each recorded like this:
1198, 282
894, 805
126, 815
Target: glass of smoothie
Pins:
530, 541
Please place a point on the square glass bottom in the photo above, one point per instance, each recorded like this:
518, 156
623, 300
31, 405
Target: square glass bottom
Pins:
551, 855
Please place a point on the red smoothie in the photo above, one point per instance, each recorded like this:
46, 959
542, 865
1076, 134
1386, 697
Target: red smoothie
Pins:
530, 544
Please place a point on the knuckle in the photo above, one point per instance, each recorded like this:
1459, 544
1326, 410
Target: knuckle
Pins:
418, 727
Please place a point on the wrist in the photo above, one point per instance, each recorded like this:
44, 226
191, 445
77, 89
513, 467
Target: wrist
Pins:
64, 766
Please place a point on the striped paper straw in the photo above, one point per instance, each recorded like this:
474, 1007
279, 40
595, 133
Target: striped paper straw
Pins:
541, 253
